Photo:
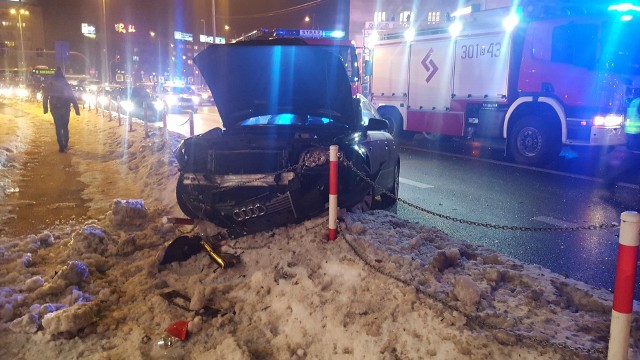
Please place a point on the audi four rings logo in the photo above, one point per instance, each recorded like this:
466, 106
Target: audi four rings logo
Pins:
249, 212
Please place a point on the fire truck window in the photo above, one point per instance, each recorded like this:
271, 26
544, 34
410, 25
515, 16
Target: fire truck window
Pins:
566, 49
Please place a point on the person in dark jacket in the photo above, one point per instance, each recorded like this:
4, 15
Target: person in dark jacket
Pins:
58, 98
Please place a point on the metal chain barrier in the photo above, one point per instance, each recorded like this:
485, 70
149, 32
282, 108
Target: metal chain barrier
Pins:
474, 320
477, 223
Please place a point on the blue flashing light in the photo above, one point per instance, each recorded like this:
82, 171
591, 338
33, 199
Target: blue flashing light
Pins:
286, 33
624, 7
511, 21
306, 33
336, 34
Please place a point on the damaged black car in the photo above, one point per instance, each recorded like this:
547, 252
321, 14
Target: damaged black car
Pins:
282, 107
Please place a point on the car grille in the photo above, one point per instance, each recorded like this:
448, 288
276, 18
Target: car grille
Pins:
247, 162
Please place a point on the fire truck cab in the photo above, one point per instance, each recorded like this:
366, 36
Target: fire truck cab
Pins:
533, 78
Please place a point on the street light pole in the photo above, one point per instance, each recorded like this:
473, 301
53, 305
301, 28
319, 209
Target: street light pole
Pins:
20, 12
106, 73
213, 18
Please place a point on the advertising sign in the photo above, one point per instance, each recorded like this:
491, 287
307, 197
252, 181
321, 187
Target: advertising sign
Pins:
206, 39
88, 29
182, 36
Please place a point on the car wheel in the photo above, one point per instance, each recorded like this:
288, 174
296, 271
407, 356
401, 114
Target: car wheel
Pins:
534, 142
365, 204
388, 200
185, 200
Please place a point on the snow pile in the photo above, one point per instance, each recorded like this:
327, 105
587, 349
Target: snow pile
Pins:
387, 288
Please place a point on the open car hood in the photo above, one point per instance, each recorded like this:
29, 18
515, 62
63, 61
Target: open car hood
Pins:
253, 80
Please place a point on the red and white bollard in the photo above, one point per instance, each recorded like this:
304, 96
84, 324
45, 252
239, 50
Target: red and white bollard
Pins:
110, 104
624, 285
333, 192
191, 126
118, 110
146, 120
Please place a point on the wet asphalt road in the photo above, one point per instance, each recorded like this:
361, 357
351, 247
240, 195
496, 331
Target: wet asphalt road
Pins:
479, 184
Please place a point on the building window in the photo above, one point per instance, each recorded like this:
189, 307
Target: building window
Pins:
405, 16
379, 16
433, 17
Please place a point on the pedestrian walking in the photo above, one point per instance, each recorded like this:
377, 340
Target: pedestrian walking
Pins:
627, 163
58, 98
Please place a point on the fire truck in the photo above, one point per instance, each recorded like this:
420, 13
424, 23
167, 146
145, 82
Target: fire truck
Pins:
531, 79
332, 40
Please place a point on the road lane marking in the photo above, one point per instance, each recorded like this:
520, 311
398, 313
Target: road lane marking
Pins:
415, 183
553, 221
554, 172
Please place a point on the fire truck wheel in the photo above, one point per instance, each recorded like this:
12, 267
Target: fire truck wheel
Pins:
394, 119
532, 142
387, 200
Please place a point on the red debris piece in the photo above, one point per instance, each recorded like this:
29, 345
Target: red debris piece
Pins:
178, 329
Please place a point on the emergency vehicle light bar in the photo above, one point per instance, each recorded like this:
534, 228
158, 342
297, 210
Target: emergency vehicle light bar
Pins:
306, 33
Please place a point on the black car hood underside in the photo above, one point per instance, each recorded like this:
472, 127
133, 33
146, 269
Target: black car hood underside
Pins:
253, 80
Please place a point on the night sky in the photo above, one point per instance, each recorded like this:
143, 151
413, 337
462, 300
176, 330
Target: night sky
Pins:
63, 17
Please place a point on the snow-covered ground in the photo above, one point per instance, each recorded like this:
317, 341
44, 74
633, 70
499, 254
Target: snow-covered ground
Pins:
386, 289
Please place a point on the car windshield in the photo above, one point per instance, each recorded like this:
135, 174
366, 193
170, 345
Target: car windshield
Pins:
290, 119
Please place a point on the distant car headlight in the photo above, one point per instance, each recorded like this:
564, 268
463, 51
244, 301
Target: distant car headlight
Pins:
127, 105
159, 105
609, 120
315, 157
22, 92
39, 96
196, 100
171, 99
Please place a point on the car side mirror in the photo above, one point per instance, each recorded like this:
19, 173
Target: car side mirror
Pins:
377, 125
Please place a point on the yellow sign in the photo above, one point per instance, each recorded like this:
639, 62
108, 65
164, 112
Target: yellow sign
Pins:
123, 28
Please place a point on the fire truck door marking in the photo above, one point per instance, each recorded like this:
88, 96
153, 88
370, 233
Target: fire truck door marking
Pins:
429, 65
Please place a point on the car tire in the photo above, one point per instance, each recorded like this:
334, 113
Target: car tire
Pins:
184, 203
388, 200
533, 142
365, 204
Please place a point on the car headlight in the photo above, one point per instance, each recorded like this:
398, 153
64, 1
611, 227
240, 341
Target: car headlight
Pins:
159, 105
22, 92
315, 157
196, 100
171, 99
127, 105
609, 120
39, 96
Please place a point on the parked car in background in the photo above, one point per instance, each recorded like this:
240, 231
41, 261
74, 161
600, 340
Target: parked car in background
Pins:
205, 95
270, 166
132, 100
179, 98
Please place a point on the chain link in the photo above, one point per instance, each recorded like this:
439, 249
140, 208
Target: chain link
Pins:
477, 223
473, 320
